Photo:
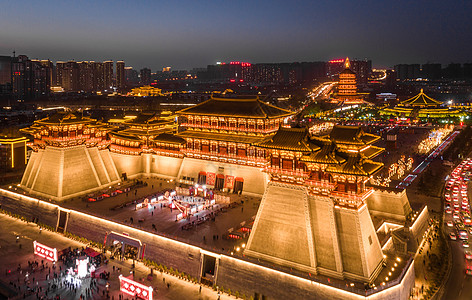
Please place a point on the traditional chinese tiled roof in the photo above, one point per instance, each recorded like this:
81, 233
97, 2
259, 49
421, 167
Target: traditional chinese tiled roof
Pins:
351, 135
421, 100
168, 138
326, 155
293, 139
123, 136
147, 119
371, 151
250, 107
356, 165
65, 118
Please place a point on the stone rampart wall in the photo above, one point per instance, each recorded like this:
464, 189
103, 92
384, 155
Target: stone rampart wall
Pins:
232, 273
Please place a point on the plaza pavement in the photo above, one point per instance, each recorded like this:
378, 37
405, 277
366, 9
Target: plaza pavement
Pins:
165, 220
13, 253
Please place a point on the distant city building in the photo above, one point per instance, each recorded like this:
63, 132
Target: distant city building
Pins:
264, 74
131, 76
146, 91
431, 71
70, 76
108, 74
387, 97
30, 78
98, 76
405, 71
85, 76
5, 76
120, 75
12, 153
145, 76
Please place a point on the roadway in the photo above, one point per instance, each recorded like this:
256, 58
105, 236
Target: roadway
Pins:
459, 284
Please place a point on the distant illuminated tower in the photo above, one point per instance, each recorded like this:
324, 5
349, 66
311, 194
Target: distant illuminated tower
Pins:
347, 81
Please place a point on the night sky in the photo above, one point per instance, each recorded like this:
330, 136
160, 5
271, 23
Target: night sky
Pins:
191, 33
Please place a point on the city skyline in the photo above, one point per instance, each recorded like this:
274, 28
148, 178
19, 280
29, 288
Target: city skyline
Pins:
190, 35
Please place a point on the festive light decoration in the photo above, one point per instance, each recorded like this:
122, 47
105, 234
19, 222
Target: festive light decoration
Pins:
435, 138
396, 169
45, 251
134, 288
82, 267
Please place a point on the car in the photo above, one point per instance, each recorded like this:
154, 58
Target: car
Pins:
465, 244
452, 236
463, 235
468, 272
456, 205
464, 186
464, 206
456, 210
468, 254
449, 223
470, 230
460, 226
448, 211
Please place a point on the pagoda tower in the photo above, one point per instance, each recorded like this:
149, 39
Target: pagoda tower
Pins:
70, 157
347, 86
313, 216
347, 81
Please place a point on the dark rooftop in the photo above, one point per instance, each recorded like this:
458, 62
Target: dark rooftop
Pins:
251, 107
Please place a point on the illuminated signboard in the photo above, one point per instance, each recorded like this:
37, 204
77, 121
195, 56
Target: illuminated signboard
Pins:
45, 251
134, 288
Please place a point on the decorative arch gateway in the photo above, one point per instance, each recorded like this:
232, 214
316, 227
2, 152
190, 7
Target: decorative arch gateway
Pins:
125, 240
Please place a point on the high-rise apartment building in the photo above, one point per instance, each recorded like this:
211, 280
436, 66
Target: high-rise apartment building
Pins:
145, 76
5, 76
98, 76
270, 73
120, 75
131, 76
59, 71
405, 71
85, 76
30, 79
108, 74
70, 76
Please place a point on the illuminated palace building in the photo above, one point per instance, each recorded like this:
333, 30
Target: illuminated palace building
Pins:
324, 178
317, 215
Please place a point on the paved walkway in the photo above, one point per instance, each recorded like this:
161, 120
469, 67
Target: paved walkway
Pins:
424, 276
13, 253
